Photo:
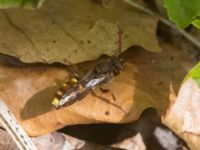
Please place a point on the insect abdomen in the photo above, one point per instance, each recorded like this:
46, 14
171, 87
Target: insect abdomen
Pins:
62, 90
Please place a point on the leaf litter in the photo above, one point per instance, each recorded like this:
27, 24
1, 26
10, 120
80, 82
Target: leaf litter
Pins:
183, 115
28, 91
148, 80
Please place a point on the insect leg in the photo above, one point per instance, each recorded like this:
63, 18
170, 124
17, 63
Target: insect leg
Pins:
103, 90
108, 101
113, 96
106, 91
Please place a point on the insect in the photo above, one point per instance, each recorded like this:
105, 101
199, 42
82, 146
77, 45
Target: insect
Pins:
75, 89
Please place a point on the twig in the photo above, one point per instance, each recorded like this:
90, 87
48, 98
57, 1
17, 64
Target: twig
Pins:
14, 129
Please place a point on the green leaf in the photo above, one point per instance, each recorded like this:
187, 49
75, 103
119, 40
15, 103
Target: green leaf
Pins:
21, 3
183, 12
194, 73
196, 23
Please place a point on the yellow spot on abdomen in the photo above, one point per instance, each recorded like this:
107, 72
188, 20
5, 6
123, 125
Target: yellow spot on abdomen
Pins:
56, 102
59, 93
74, 80
64, 84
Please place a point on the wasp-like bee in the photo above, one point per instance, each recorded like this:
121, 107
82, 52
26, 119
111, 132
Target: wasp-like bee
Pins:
75, 89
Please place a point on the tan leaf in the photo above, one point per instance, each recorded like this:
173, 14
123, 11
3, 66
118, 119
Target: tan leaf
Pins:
144, 82
184, 114
66, 31
135, 143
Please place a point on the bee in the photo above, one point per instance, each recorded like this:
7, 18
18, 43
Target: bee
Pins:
75, 89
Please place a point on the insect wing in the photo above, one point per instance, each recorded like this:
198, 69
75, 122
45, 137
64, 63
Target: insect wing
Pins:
92, 83
70, 95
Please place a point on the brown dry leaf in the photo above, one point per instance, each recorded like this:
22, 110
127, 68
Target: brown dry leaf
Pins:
66, 31
54, 140
144, 82
134, 143
184, 114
